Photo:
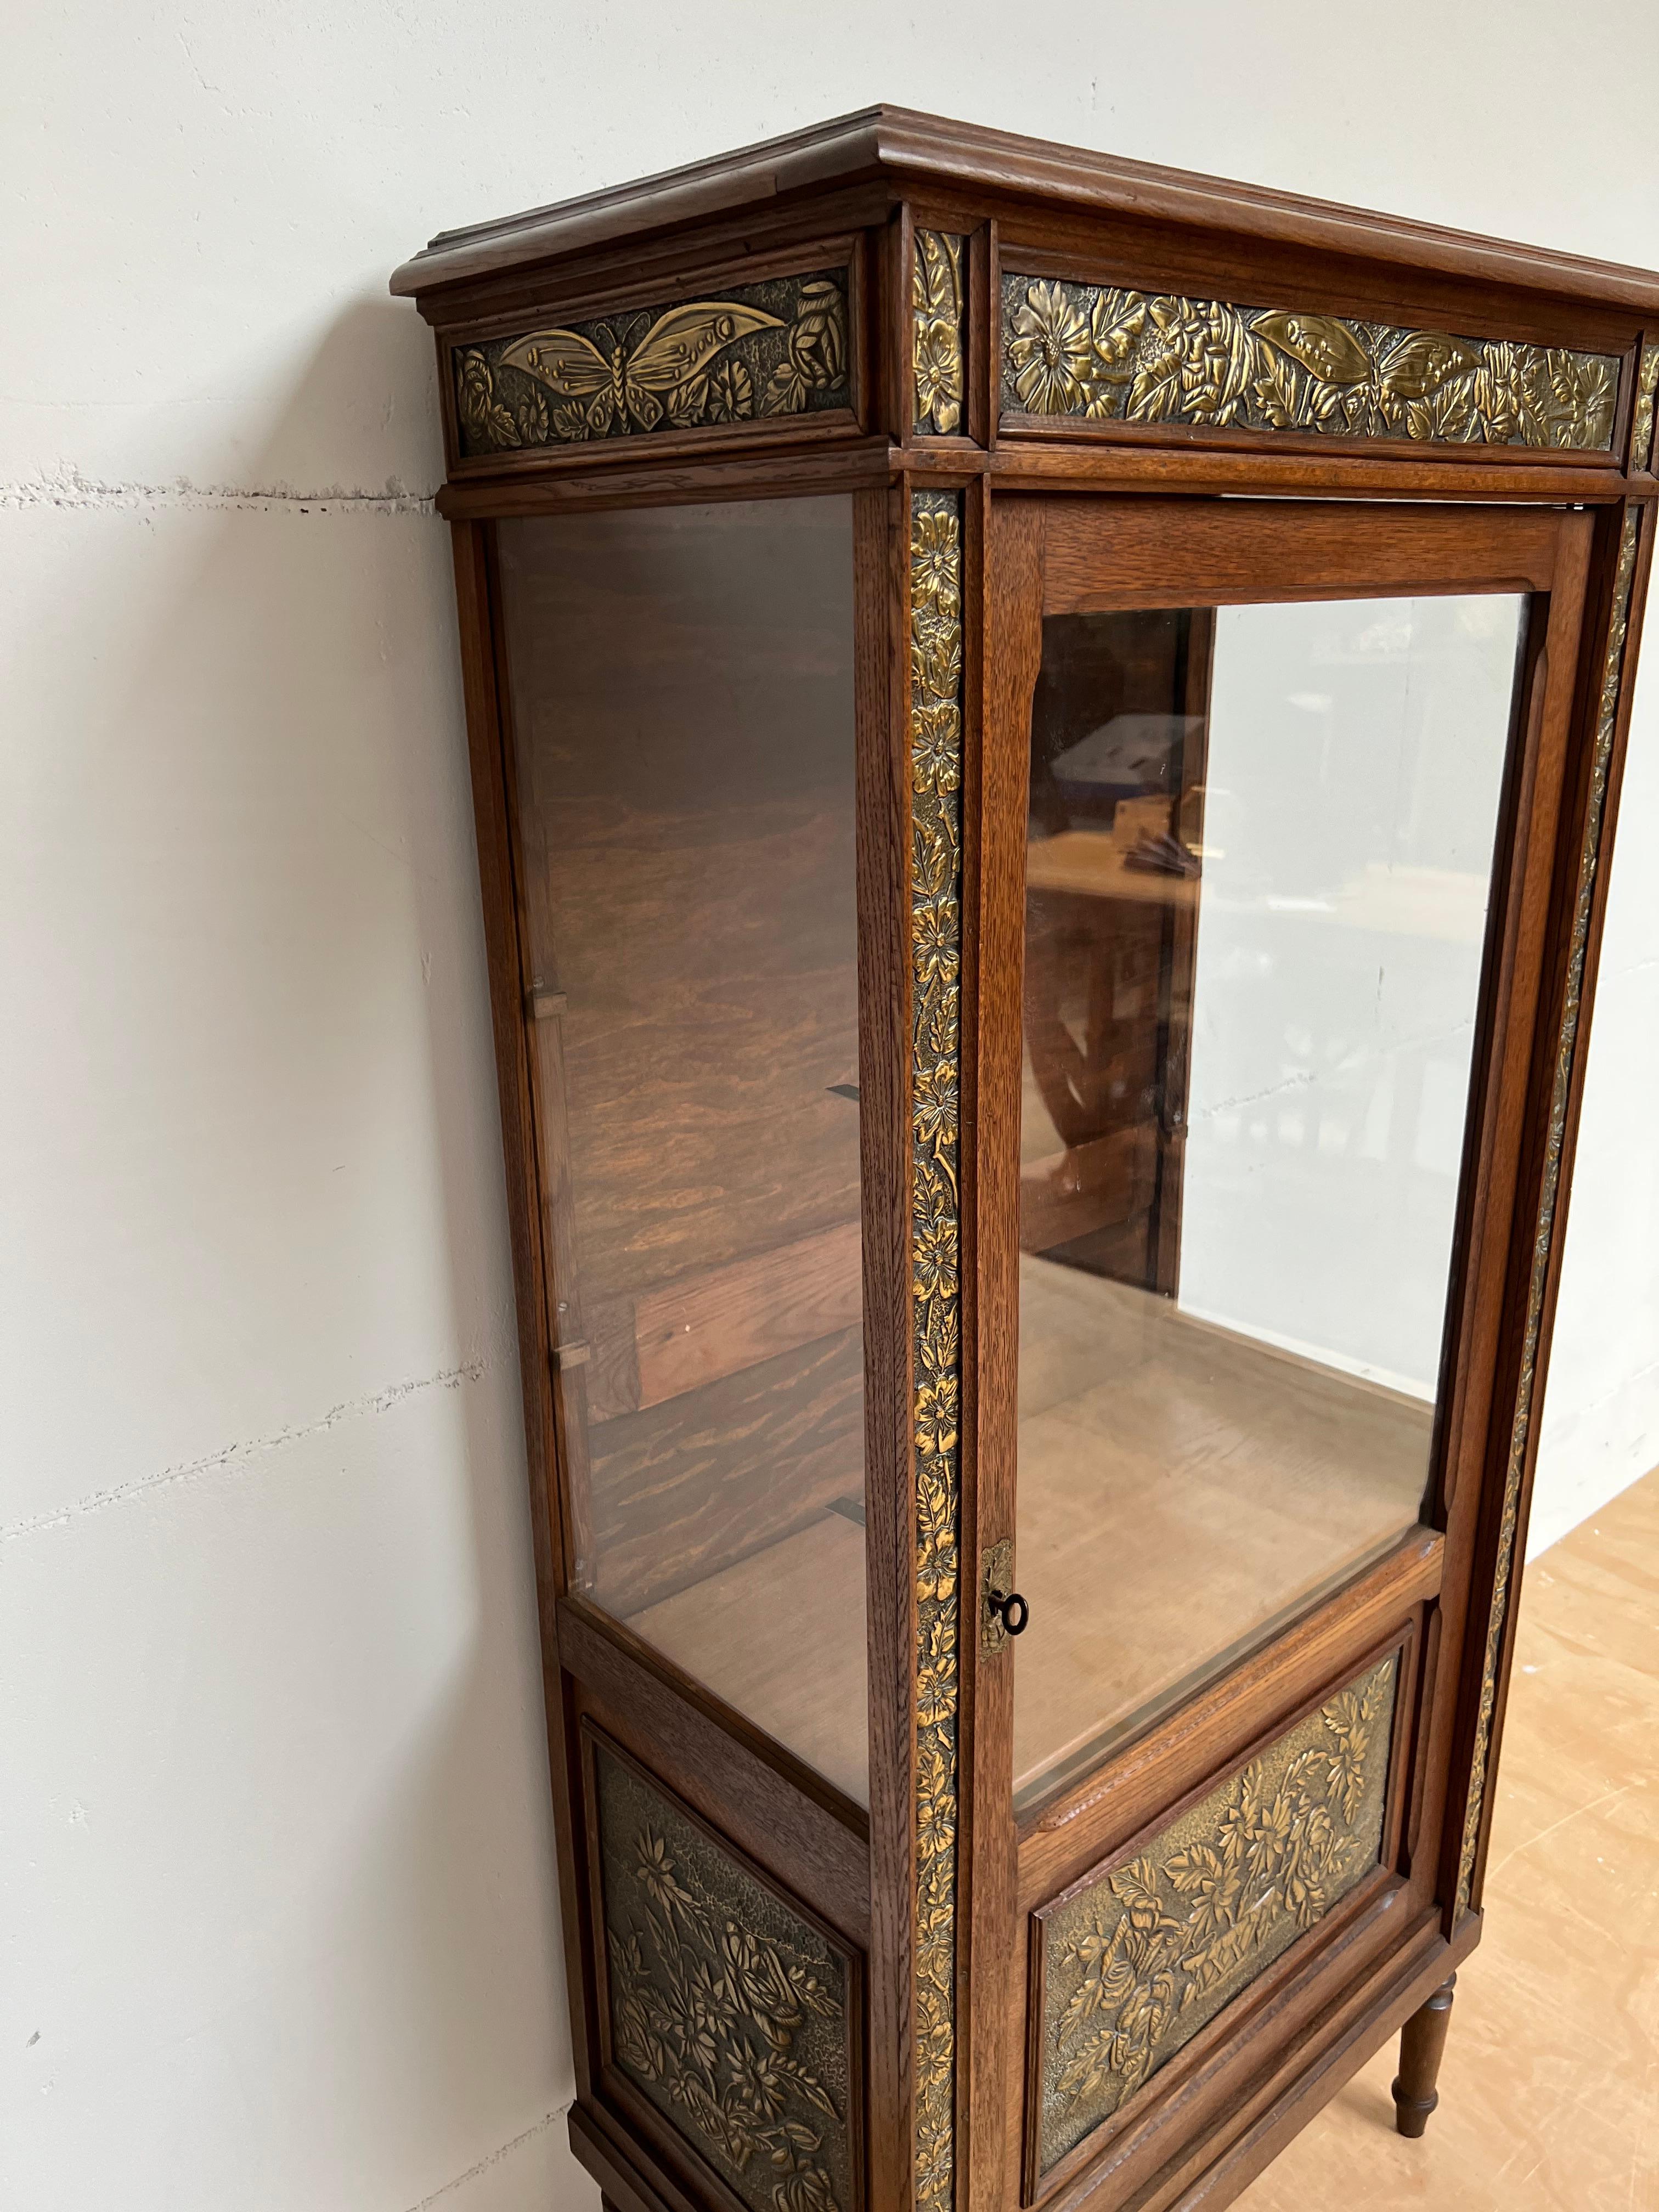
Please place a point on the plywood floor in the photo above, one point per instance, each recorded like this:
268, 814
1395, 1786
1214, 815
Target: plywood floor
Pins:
1549, 2093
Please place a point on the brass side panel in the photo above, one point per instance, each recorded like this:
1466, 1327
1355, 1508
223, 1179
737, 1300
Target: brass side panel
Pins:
935, 735
757, 351
728, 2012
938, 337
1589, 857
1107, 355
1138, 1959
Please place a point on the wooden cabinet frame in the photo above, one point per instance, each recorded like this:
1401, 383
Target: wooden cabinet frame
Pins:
1428, 413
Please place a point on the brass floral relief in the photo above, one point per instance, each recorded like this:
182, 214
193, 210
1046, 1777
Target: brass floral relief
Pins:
1109, 355
759, 351
1137, 1962
1641, 428
727, 2011
1606, 720
937, 314
936, 1302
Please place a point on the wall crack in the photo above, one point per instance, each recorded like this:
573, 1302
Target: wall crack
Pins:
493, 2158
232, 1458
69, 490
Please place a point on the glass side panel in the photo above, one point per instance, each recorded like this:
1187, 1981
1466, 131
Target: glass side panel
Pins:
1260, 859
681, 694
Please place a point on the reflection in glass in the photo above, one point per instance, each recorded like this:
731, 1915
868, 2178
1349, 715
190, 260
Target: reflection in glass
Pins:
1261, 852
682, 697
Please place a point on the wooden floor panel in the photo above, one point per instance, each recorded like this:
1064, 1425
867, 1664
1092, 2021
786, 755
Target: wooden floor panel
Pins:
1549, 2092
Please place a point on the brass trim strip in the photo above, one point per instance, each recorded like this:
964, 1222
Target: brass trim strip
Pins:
1544, 1234
1106, 354
935, 734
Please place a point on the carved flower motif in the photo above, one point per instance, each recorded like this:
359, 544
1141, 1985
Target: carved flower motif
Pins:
936, 1420
936, 956
934, 1260
1169, 350
485, 421
1051, 352
731, 394
935, 1103
935, 565
939, 375
817, 336
936, 745
655, 1871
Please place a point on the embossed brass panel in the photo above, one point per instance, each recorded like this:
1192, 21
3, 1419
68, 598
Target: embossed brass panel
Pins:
938, 318
936, 1300
1137, 1960
728, 2011
755, 351
1108, 354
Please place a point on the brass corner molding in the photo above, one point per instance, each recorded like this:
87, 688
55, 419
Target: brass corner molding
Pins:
1543, 1243
1138, 1960
938, 334
757, 351
935, 748
1106, 354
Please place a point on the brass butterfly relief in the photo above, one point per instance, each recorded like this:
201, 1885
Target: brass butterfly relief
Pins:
1107, 354
767, 349
635, 387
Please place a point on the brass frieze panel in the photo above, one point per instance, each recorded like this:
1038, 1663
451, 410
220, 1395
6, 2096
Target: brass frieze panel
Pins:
938, 334
935, 735
1590, 855
1137, 1961
1105, 353
728, 2012
754, 352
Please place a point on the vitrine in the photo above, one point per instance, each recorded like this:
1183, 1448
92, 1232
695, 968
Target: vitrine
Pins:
1045, 737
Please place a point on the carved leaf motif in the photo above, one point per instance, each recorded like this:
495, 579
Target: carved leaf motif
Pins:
1423, 362
1327, 347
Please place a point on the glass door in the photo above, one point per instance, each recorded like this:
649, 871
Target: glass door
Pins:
1266, 768
1258, 880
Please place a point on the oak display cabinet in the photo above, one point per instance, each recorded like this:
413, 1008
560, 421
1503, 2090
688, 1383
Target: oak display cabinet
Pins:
1045, 737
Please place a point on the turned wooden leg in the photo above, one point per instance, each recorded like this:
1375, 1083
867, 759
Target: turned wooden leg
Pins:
1422, 2040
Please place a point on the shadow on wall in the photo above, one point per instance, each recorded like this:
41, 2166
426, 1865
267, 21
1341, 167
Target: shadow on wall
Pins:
275, 1580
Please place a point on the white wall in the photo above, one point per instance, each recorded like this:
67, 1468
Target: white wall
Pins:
280, 1934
